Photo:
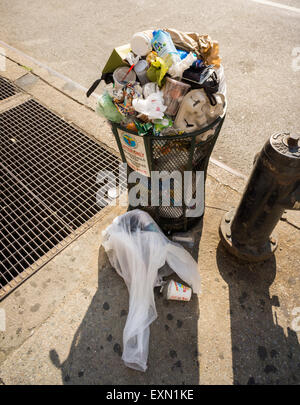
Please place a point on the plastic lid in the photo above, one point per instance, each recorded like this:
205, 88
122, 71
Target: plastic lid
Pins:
140, 44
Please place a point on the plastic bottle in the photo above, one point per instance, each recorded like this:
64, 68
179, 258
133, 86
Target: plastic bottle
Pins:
162, 44
184, 54
177, 69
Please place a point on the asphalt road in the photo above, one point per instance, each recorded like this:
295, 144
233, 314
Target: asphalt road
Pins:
256, 43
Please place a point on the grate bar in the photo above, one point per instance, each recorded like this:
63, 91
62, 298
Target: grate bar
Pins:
49, 170
7, 89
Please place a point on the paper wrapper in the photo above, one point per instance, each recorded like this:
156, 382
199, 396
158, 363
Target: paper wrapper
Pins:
203, 46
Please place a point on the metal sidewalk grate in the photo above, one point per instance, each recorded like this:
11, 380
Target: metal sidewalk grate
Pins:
28, 230
49, 170
7, 89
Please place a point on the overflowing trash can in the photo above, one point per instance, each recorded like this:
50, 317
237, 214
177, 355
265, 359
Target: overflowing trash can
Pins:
177, 153
166, 109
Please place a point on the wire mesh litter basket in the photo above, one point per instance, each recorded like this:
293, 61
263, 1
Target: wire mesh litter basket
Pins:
185, 153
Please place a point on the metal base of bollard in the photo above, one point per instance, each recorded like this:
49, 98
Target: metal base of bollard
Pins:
248, 252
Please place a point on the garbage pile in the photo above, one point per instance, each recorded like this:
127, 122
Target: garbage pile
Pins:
165, 82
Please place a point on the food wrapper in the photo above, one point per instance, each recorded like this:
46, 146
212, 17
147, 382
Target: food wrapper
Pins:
143, 129
204, 47
131, 126
159, 125
124, 104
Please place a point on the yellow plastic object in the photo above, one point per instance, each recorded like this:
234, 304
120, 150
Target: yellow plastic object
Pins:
158, 70
151, 57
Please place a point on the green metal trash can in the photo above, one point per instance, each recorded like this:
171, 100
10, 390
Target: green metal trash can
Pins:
185, 152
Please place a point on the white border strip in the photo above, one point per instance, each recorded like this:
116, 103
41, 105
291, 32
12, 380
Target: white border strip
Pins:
228, 169
278, 5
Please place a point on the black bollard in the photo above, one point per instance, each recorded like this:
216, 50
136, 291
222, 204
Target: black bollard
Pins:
274, 185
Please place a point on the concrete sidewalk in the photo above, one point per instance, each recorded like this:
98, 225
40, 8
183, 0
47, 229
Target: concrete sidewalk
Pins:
65, 323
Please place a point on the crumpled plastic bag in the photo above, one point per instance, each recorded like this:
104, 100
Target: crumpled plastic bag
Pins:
177, 69
124, 102
150, 88
132, 59
152, 106
106, 108
137, 248
203, 46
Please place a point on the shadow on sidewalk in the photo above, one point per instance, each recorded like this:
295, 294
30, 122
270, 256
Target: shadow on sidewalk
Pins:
96, 349
261, 351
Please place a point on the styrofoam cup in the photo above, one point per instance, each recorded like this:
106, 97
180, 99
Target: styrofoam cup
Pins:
141, 43
179, 292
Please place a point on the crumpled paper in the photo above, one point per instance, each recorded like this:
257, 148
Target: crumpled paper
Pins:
203, 46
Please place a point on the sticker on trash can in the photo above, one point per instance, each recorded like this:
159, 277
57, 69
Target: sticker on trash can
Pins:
135, 152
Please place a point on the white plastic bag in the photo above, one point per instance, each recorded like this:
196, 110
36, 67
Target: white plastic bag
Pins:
152, 106
137, 248
177, 69
222, 82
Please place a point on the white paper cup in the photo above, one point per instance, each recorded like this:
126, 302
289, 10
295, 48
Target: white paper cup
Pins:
140, 43
179, 292
118, 75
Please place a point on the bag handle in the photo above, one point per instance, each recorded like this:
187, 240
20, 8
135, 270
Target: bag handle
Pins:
107, 77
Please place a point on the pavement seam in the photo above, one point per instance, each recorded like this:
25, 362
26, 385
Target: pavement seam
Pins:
49, 84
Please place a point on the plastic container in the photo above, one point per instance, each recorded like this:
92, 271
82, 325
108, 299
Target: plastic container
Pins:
119, 74
178, 292
184, 54
141, 43
162, 44
141, 70
174, 91
177, 69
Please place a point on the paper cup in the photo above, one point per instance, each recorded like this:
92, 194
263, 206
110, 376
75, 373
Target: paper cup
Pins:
118, 75
179, 292
140, 43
